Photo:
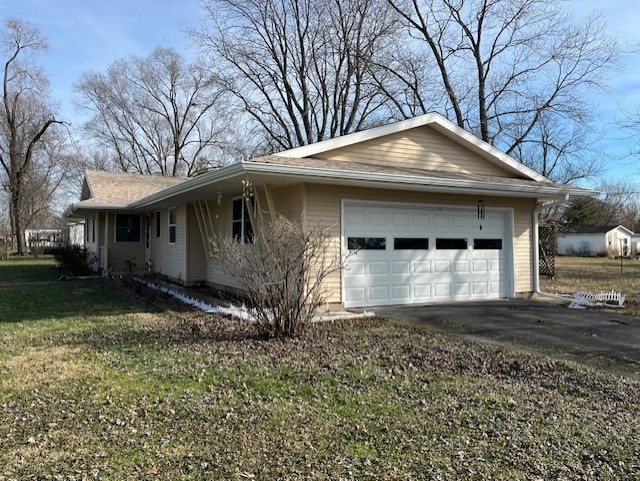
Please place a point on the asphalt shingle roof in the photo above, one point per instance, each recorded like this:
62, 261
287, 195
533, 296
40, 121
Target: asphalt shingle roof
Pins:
117, 188
350, 166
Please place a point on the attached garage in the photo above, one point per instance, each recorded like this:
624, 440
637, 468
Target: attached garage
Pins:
413, 254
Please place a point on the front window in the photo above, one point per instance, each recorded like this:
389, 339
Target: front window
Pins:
127, 228
240, 222
172, 225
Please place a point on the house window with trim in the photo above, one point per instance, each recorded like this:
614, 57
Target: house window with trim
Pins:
172, 225
158, 224
127, 228
241, 227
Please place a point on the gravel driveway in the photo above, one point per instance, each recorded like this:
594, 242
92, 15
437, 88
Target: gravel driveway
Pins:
596, 338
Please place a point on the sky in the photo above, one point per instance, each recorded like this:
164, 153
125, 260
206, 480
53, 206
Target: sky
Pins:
89, 35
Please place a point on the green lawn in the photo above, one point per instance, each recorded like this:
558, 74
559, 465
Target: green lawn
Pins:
96, 383
27, 269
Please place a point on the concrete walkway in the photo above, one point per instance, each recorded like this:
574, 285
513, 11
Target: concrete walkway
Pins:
596, 338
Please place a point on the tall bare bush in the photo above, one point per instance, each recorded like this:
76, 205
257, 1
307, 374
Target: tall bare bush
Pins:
283, 273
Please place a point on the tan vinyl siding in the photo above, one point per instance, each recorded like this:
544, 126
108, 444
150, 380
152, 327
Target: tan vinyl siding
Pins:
197, 258
287, 201
222, 225
421, 147
325, 202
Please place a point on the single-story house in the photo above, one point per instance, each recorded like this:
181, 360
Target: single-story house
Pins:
433, 213
596, 241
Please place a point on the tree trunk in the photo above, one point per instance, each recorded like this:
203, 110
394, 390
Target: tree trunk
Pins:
18, 227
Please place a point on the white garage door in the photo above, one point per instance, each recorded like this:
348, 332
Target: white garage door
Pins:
411, 255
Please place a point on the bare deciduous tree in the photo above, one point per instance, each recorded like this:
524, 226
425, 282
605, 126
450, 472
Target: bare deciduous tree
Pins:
618, 203
158, 114
505, 67
28, 143
303, 70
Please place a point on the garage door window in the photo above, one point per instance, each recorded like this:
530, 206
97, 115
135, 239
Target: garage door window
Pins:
367, 243
451, 243
410, 243
487, 244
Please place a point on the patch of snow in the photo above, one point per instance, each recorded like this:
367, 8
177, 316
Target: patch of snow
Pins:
233, 311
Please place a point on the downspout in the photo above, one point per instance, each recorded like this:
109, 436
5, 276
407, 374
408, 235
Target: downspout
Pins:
536, 256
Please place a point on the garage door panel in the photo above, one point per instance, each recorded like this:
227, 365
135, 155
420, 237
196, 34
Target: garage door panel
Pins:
480, 266
354, 217
401, 292
378, 218
461, 266
461, 289
421, 220
442, 266
480, 288
442, 290
379, 268
497, 288
422, 291
356, 268
401, 219
460, 220
422, 267
398, 261
354, 295
441, 220
379, 293
401, 267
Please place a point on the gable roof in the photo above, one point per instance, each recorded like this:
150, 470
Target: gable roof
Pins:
598, 229
124, 188
435, 121
104, 190
116, 190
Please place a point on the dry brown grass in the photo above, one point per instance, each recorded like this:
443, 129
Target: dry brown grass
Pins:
36, 367
574, 274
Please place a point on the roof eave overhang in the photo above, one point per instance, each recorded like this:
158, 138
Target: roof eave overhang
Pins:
362, 179
80, 209
403, 182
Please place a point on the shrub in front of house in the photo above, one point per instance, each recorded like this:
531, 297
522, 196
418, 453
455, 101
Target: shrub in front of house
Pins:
74, 260
282, 272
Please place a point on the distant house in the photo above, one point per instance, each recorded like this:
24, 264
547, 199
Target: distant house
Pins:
424, 211
43, 238
596, 241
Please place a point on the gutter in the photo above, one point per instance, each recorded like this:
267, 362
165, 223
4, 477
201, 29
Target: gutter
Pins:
495, 188
536, 256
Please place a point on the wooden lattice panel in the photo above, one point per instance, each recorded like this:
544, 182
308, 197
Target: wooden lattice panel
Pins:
546, 251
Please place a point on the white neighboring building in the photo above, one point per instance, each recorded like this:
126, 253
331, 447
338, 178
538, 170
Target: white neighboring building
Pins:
596, 241
73, 233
